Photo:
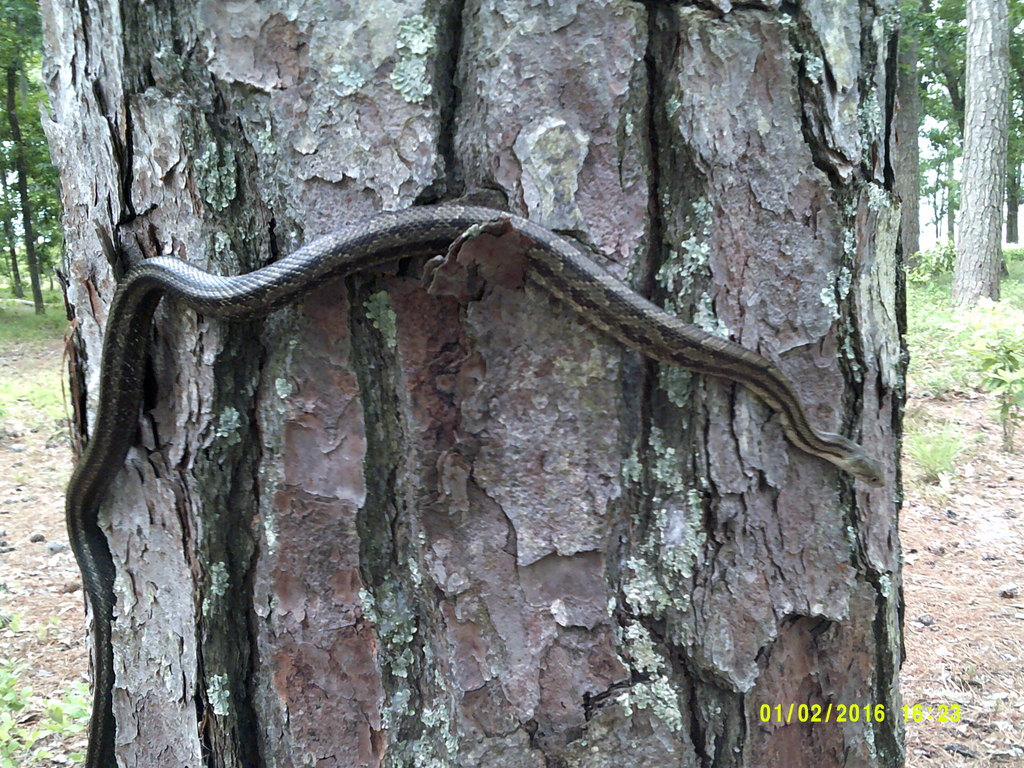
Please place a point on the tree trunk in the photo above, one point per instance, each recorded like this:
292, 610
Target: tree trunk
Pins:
951, 200
12, 243
1012, 203
906, 156
26, 207
424, 531
979, 231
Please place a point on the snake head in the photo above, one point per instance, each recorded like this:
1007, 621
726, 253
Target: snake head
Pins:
865, 468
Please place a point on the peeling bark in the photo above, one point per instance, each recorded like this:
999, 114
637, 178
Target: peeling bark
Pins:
393, 526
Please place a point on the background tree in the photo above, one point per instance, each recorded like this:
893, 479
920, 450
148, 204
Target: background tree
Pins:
419, 530
8, 211
907, 162
940, 29
978, 249
1015, 145
940, 26
30, 206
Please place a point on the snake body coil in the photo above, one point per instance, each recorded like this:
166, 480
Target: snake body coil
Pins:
553, 262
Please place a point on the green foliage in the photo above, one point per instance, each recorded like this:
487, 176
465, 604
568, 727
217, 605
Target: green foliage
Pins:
1014, 254
940, 338
25, 746
932, 262
958, 351
998, 348
934, 451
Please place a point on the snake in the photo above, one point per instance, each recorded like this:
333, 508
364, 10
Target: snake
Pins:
553, 262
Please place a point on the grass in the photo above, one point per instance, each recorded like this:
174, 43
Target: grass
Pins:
20, 324
934, 450
34, 397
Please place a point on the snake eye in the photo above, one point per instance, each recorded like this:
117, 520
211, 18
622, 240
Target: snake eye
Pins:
868, 470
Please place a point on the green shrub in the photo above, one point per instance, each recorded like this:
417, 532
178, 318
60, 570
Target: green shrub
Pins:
940, 339
998, 348
20, 744
1014, 253
931, 262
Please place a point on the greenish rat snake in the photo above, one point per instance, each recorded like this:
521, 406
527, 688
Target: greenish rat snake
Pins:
553, 262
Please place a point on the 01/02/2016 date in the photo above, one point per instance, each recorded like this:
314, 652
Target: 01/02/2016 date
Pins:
853, 713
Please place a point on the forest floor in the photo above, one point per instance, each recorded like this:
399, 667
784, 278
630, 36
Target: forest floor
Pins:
963, 545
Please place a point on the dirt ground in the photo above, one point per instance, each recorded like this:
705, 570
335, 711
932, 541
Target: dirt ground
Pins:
963, 544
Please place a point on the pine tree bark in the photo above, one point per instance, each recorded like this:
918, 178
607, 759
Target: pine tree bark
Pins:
906, 154
385, 528
979, 227
26, 207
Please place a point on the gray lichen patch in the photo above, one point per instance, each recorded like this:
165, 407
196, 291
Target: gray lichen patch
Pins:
229, 426
655, 693
688, 259
218, 694
661, 568
704, 317
417, 37
676, 383
219, 579
680, 269
283, 387
551, 153
382, 316
870, 114
836, 289
216, 171
413, 671
347, 78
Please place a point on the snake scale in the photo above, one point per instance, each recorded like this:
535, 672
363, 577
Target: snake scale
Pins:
553, 262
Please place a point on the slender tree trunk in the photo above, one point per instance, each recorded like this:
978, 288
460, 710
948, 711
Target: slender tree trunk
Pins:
906, 155
979, 236
12, 261
26, 207
951, 201
388, 528
12, 249
1012, 204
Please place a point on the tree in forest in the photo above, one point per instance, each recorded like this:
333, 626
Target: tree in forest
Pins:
30, 206
940, 28
906, 156
383, 527
8, 211
1015, 137
979, 235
